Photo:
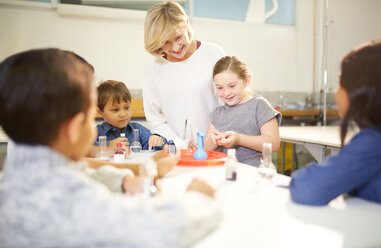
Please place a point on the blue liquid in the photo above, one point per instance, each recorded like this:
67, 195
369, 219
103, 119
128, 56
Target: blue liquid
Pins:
136, 149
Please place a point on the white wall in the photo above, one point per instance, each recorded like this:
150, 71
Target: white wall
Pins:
268, 50
354, 21
281, 58
115, 45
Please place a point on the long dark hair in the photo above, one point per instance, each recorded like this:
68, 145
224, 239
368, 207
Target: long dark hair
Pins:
361, 78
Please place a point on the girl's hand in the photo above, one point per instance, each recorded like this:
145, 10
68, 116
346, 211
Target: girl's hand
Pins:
214, 133
201, 186
125, 144
228, 139
154, 140
165, 162
210, 142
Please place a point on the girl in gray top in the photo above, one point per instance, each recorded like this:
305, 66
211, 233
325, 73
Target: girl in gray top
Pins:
246, 121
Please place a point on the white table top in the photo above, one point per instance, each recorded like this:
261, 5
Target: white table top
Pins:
321, 135
3, 137
257, 215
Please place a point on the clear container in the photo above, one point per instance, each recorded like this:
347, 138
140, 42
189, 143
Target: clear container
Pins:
104, 153
267, 169
136, 146
231, 165
119, 155
147, 174
171, 147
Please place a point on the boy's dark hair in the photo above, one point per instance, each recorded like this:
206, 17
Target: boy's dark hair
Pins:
361, 78
112, 89
41, 89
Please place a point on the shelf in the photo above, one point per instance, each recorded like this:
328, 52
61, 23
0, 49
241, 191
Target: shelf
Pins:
305, 112
138, 110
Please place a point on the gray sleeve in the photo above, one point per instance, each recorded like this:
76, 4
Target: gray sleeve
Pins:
266, 112
136, 222
110, 176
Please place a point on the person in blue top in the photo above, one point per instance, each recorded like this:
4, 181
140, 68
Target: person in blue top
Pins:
356, 169
114, 105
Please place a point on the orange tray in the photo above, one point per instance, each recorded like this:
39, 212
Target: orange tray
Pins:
214, 158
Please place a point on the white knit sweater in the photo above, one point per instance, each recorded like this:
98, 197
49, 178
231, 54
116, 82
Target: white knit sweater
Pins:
174, 92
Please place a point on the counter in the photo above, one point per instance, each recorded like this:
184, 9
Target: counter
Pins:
138, 111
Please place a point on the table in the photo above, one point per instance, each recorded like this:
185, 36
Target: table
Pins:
316, 139
260, 215
3, 147
3, 138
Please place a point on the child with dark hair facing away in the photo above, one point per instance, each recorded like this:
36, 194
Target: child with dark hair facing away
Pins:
246, 121
114, 105
356, 169
47, 199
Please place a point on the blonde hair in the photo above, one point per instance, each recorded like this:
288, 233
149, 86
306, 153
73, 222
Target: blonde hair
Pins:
162, 21
235, 65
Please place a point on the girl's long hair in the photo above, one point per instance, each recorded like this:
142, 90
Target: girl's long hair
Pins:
361, 78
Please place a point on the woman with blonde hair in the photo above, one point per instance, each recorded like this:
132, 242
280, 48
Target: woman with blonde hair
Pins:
178, 90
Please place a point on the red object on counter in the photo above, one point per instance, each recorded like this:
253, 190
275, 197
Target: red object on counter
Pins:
214, 158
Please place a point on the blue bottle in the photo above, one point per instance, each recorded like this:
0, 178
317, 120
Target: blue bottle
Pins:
200, 154
171, 147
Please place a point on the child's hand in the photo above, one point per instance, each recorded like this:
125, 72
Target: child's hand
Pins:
154, 140
202, 187
131, 185
214, 133
135, 185
228, 139
165, 162
125, 144
210, 142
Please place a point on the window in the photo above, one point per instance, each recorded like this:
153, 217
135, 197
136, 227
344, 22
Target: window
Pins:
121, 4
238, 10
